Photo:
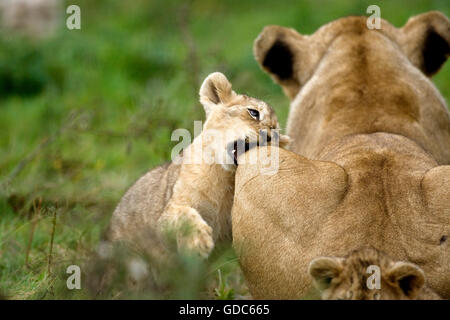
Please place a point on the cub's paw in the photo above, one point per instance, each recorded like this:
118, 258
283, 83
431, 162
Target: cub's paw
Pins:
196, 237
192, 233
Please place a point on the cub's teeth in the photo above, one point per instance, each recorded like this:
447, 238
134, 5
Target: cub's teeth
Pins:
235, 157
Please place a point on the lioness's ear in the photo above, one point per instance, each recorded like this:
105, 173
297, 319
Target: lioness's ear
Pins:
426, 41
277, 50
323, 270
408, 277
216, 89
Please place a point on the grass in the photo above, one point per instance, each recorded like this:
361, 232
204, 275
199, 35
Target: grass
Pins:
86, 112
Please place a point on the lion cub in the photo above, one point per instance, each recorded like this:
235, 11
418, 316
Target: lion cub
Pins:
198, 212
346, 278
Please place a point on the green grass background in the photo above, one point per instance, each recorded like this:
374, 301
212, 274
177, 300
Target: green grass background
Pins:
86, 112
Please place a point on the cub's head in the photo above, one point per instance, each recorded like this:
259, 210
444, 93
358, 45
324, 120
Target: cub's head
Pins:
354, 277
241, 122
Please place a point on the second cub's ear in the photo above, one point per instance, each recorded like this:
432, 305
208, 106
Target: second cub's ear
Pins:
323, 270
216, 89
409, 277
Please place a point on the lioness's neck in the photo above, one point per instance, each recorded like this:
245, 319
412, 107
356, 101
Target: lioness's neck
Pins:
210, 190
369, 90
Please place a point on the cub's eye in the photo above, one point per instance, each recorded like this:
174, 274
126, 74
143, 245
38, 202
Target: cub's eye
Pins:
253, 113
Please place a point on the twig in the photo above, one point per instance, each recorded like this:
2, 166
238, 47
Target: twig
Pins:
192, 61
37, 150
51, 241
29, 157
35, 218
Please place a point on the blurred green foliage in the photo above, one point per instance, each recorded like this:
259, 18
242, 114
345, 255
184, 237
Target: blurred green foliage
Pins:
86, 112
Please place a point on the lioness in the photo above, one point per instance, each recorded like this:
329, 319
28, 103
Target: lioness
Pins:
346, 278
193, 200
371, 147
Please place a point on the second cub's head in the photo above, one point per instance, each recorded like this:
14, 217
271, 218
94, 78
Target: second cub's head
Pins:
366, 274
241, 119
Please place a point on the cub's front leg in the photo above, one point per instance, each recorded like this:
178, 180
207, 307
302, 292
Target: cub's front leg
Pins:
192, 233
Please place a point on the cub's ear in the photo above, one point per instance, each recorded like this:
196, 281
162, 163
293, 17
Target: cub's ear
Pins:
426, 41
216, 89
277, 50
323, 270
408, 277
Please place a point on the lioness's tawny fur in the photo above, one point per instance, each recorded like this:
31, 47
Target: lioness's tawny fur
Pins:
353, 277
371, 152
193, 200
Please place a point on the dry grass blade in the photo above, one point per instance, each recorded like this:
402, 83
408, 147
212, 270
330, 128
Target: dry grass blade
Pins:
35, 218
50, 251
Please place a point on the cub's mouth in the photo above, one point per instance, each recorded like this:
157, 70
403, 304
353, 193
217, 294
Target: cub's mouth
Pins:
241, 146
